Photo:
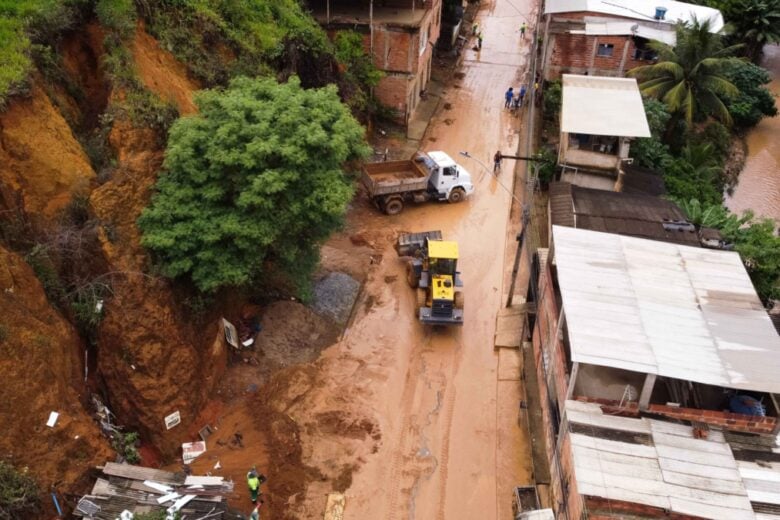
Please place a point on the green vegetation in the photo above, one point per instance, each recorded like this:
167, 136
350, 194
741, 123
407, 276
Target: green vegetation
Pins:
553, 99
125, 445
754, 239
754, 101
690, 77
18, 494
754, 23
219, 39
256, 177
357, 68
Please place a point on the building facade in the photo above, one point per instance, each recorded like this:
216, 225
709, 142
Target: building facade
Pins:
399, 35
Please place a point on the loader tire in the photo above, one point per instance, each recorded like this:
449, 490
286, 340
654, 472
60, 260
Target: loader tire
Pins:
459, 300
422, 298
411, 276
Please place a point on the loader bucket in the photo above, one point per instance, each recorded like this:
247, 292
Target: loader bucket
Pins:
409, 243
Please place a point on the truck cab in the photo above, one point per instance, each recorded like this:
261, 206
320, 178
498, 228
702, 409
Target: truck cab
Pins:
448, 180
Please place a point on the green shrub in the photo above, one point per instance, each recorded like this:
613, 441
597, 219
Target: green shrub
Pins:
255, 177
125, 445
553, 98
754, 101
19, 494
118, 15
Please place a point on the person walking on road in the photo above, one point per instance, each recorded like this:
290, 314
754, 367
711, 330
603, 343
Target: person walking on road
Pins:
522, 30
508, 95
521, 95
497, 161
479, 40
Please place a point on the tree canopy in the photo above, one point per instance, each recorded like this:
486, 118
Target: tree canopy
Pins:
690, 77
255, 177
754, 22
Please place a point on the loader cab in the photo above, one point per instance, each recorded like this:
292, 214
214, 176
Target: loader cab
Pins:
445, 301
446, 176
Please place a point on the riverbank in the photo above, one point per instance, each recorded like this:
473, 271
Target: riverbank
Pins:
758, 186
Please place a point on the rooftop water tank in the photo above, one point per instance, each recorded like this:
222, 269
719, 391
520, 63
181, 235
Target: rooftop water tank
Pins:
660, 13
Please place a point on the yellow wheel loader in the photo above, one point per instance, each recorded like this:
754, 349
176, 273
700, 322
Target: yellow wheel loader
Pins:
432, 270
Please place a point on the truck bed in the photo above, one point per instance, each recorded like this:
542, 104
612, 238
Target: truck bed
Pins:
384, 178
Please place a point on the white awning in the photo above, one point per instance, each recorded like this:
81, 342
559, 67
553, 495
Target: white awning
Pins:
599, 105
669, 37
659, 308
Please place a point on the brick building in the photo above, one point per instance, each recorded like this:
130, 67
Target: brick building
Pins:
643, 350
398, 34
608, 38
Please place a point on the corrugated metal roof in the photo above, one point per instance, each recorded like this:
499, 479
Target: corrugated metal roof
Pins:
677, 472
640, 10
597, 105
667, 309
636, 215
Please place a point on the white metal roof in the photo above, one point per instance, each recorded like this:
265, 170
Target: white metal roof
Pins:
655, 307
598, 105
671, 469
618, 28
640, 10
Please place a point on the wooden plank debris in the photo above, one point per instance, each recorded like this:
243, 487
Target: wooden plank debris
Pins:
334, 508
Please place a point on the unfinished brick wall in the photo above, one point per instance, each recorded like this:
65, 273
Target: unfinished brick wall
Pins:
605, 509
726, 420
578, 53
552, 368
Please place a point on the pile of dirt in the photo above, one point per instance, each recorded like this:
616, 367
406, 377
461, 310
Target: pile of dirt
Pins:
151, 360
41, 363
42, 165
292, 334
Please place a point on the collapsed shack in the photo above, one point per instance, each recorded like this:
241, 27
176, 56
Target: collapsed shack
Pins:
123, 487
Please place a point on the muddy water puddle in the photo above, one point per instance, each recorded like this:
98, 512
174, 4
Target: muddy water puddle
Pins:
759, 183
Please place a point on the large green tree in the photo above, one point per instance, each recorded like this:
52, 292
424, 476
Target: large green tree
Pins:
754, 23
754, 101
255, 178
690, 77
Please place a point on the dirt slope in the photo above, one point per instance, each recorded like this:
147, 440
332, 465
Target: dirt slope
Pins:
40, 360
42, 165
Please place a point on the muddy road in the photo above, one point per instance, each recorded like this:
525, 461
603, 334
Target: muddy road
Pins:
450, 444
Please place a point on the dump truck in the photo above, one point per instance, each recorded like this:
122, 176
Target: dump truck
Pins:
426, 176
432, 270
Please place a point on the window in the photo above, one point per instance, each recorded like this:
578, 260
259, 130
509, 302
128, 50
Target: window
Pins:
423, 40
605, 50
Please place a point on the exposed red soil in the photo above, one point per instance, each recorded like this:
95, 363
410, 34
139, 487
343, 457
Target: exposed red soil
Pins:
42, 371
162, 73
42, 165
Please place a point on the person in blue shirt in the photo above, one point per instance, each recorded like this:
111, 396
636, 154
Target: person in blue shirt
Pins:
508, 97
522, 94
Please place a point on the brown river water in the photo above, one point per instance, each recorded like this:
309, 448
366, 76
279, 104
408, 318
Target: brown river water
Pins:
758, 187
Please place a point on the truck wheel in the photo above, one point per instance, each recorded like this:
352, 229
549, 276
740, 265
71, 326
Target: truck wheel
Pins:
457, 195
459, 300
394, 206
422, 298
411, 276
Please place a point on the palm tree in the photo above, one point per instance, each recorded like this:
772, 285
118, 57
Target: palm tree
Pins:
689, 77
755, 22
